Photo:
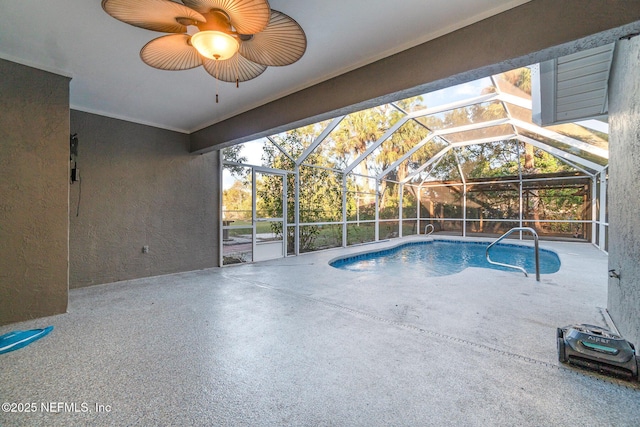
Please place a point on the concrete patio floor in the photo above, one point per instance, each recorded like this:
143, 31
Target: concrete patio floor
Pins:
297, 342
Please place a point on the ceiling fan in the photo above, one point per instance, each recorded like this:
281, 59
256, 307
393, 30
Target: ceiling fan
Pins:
235, 40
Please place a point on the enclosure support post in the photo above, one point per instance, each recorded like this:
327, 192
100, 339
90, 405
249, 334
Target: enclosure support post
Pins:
603, 211
221, 212
520, 215
285, 248
296, 204
401, 192
419, 202
520, 208
594, 209
253, 214
464, 209
377, 216
344, 211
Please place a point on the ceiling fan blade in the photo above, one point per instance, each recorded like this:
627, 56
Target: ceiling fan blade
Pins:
247, 16
155, 15
172, 52
232, 68
283, 42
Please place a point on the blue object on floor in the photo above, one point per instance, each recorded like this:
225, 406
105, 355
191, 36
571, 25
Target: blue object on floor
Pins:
18, 339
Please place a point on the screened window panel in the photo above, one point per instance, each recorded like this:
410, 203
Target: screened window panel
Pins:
394, 147
361, 233
360, 183
571, 130
298, 140
488, 132
467, 115
430, 122
320, 195
269, 200
260, 152
357, 132
237, 197
417, 159
409, 202
410, 228
441, 202
415, 103
320, 237
291, 248
565, 230
334, 151
494, 159
519, 113
444, 169
535, 161
361, 206
493, 201
442, 226
291, 198
565, 147
237, 247
575, 131
490, 228
331, 154
388, 229
458, 92
389, 207
556, 200
515, 82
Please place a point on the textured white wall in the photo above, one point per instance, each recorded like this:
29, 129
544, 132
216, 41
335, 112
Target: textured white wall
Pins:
139, 187
624, 189
34, 186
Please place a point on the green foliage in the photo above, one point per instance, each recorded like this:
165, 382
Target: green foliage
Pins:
232, 154
320, 192
489, 160
237, 201
520, 78
545, 163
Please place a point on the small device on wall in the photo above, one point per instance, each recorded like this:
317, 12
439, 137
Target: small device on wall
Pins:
73, 157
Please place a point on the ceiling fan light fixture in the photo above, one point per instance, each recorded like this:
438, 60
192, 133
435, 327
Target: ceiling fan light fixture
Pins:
235, 40
215, 44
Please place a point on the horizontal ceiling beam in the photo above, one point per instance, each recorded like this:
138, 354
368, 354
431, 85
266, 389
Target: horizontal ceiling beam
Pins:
533, 32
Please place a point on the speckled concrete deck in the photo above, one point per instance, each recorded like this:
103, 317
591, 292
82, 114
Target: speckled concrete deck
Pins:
297, 342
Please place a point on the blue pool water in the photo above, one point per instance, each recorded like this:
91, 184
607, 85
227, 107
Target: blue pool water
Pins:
444, 257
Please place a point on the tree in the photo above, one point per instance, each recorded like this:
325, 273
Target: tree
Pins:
400, 143
232, 154
320, 192
237, 201
359, 130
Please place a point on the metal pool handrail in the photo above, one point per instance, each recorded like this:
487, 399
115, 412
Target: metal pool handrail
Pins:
427, 227
535, 239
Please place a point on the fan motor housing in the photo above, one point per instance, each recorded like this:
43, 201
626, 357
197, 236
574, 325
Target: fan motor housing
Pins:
598, 349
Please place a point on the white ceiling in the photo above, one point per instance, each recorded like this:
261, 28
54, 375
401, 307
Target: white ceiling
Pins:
78, 39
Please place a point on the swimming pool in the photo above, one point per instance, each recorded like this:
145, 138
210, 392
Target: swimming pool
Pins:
444, 257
